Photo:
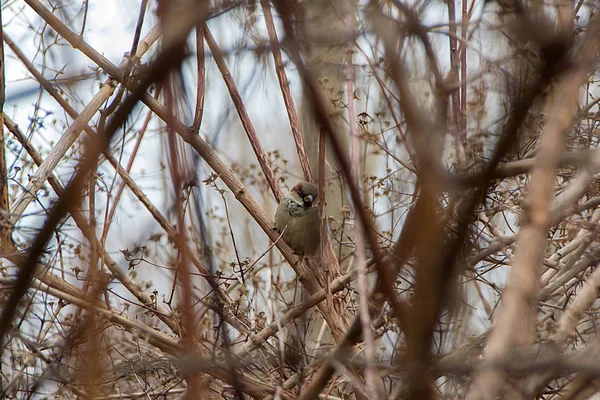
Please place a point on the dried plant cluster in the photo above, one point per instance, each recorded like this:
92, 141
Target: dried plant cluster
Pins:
455, 148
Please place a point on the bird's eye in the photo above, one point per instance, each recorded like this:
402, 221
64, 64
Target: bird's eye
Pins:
308, 199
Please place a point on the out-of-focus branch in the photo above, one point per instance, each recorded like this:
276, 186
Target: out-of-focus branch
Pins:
169, 15
453, 76
520, 297
6, 243
580, 158
436, 271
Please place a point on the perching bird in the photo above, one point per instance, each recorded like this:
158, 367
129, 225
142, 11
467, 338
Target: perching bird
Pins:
299, 213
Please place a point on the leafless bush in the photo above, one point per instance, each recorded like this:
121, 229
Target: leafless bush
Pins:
455, 148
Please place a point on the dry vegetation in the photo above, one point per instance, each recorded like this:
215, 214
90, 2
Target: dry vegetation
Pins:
454, 142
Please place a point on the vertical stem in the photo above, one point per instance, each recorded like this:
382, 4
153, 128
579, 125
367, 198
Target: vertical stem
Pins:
201, 80
167, 15
93, 272
93, 372
331, 267
85, 14
454, 62
286, 92
4, 206
183, 262
361, 260
463, 74
5, 226
322, 216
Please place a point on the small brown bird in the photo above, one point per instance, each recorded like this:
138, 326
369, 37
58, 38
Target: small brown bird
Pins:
299, 213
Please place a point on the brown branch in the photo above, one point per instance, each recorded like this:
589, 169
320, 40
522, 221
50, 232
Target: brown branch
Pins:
243, 114
201, 80
170, 57
334, 320
520, 297
361, 261
463, 71
456, 98
341, 354
287, 93
580, 158
83, 225
435, 272
41, 175
295, 312
75, 40
6, 243
154, 337
188, 365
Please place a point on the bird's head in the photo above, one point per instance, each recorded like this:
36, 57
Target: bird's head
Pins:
305, 193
